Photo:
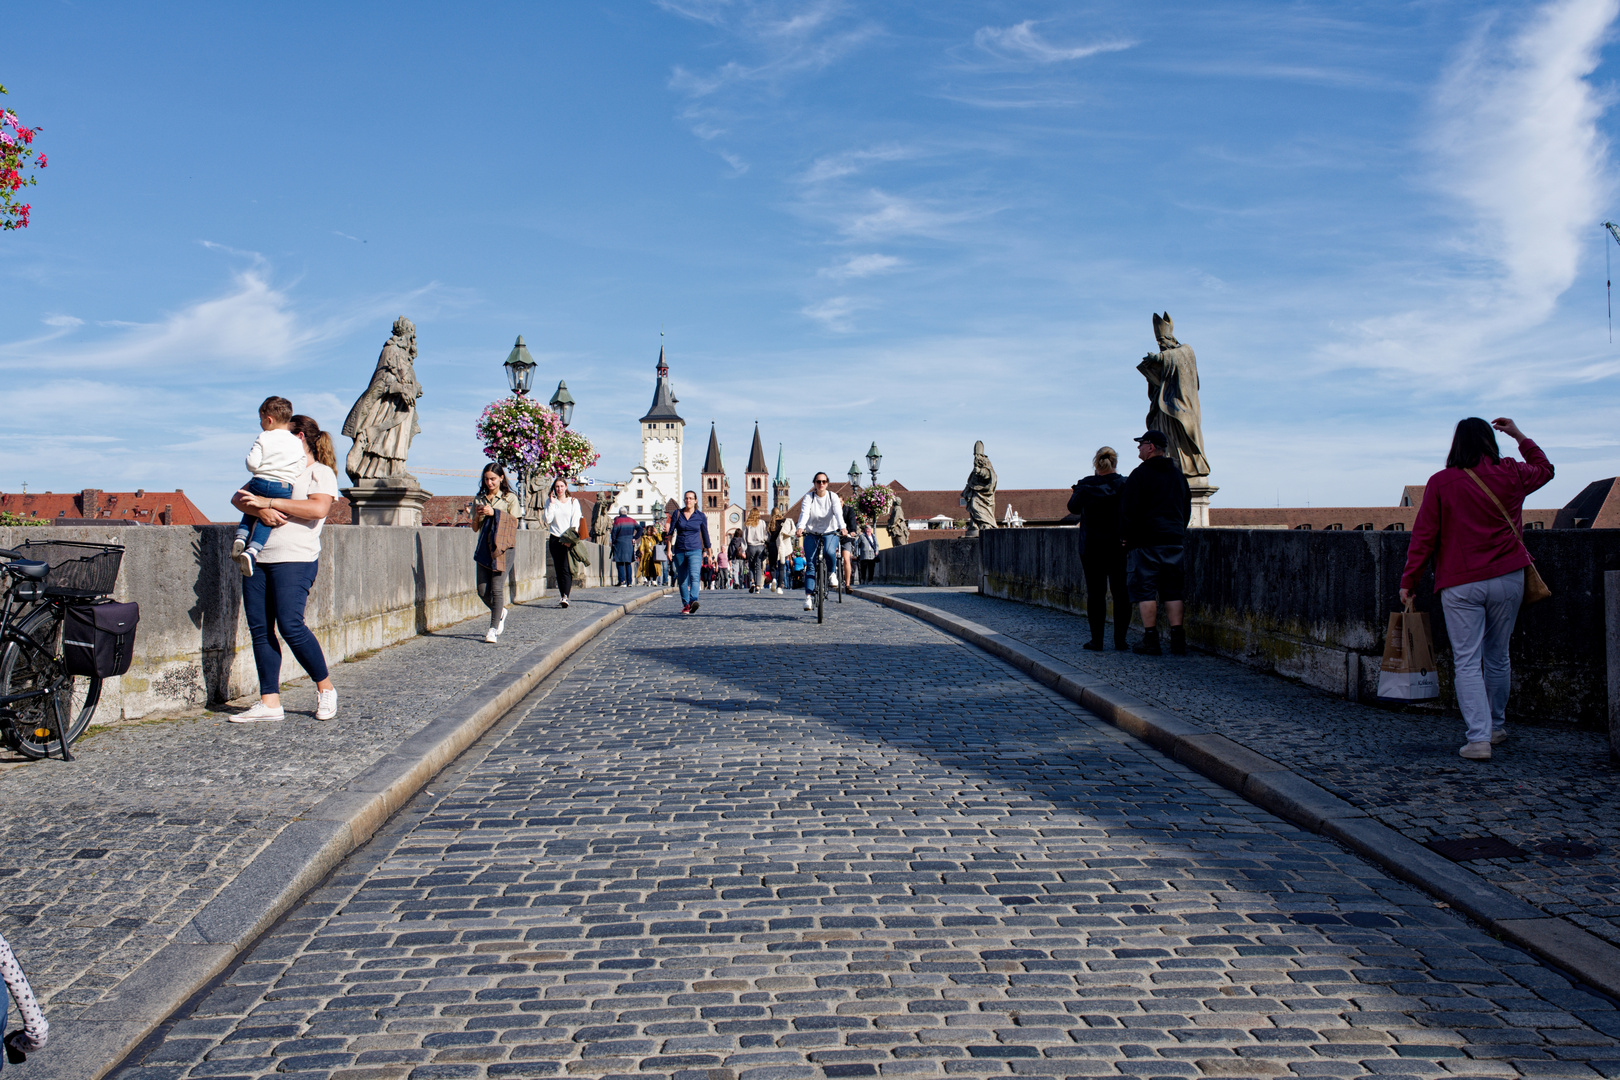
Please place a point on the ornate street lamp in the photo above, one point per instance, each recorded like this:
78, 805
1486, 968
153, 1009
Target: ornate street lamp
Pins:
874, 458
562, 402
854, 477
520, 369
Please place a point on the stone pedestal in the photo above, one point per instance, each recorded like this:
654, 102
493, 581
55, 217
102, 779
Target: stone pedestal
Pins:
388, 501
1202, 489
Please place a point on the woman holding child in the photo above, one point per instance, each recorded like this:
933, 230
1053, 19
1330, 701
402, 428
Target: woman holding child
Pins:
273, 598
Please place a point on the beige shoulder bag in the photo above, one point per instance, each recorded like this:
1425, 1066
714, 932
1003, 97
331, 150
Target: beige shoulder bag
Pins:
1535, 590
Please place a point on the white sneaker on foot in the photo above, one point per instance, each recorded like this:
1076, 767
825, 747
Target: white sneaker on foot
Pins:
244, 562
238, 546
1499, 736
490, 635
564, 602
832, 581
325, 704
500, 627
809, 603
259, 714
1476, 751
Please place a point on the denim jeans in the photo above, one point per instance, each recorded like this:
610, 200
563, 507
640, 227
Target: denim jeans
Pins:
1479, 620
273, 599
253, 531
814, 543
624, 573
688, 565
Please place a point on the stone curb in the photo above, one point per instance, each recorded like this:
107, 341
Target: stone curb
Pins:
1273, 786
299, 858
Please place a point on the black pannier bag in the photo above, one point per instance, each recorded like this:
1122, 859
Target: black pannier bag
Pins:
99, 639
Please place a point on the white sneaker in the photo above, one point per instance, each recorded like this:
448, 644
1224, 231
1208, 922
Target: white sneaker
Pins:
1476, 751
238, 546
259, 714
779, 590
832, 581
809, 603
564, 602
500, 627
244, 561
491, 634
325, 704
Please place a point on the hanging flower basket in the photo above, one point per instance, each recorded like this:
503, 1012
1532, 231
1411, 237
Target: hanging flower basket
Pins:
519, 434
873, 503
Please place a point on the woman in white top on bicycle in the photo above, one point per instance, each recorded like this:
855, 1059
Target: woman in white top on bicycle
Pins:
821, 516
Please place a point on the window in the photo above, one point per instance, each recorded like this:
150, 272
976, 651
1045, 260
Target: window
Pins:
1337, 526
639, 495
712, 502
638, 508
1365, 526
1302, 528
1399, 526
1535, 524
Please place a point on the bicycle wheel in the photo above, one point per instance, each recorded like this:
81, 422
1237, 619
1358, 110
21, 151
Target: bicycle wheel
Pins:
821, 583
30, 659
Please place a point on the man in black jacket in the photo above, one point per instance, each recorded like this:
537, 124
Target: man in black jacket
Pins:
1096, 499
1156, 508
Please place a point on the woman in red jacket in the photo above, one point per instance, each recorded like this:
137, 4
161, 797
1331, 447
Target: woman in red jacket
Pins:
1479, 563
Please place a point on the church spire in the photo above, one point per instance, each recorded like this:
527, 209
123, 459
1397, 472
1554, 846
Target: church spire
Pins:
756, 457
664, 399
711, 463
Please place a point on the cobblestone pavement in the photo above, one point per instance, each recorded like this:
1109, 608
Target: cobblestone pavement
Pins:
1544, 784
104, 858
742, 846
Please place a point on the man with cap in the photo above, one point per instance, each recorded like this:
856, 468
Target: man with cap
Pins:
1157, 505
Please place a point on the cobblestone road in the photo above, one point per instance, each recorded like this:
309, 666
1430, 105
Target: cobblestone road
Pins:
104, 858
1546, 783
744, 847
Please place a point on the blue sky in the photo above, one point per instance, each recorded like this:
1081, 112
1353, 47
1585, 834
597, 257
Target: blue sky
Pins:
917, 223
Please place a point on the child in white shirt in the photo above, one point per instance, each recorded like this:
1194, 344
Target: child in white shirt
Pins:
276, 459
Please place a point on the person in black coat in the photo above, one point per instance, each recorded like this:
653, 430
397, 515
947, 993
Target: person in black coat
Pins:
1157, 506
1097, 499
623, 540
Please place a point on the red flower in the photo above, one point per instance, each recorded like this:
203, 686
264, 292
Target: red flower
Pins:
42, 161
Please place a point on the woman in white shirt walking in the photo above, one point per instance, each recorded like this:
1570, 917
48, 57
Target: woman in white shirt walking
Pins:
560, 515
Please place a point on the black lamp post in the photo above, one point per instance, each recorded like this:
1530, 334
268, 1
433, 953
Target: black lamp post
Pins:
854, 477
562, 403
520, 368
874, 458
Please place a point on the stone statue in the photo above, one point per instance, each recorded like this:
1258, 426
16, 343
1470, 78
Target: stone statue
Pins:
383, 422
899, 532
979, 496
606, 509
1172, 375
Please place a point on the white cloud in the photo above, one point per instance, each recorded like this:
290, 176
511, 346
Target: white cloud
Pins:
837, 166
1517, 149
835, 313
878, 215
859, 266
68, 321
1021, 42
738, 165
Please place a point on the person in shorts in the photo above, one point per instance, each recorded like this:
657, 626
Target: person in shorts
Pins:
1156, 507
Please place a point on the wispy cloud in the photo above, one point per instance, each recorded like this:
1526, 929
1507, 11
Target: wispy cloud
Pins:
1022, 43
879, 215
836, 313
850, 162
1517, 149
860, 266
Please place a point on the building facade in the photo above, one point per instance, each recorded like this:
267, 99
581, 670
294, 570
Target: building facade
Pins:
657, 480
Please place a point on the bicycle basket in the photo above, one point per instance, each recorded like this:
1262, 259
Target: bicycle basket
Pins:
77, 568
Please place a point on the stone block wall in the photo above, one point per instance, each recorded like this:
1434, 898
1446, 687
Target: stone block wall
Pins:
930, 562
377, 585
1315, 605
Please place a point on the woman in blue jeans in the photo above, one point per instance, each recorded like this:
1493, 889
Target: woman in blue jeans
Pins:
273, 598
688, 540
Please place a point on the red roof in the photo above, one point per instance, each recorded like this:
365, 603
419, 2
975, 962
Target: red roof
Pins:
451, 510
1037, 506
93, 504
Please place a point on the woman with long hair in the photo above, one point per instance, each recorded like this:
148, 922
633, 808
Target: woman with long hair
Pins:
1471, 522
754, 540
561, 516
275, 596
496, 511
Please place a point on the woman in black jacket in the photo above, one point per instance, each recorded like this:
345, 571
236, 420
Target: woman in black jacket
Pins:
1097, 499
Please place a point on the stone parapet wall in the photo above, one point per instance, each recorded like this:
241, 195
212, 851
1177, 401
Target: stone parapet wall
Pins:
1315, 606
377, 585
930, 562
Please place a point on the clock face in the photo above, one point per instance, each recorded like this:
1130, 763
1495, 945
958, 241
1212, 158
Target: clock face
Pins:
660, 462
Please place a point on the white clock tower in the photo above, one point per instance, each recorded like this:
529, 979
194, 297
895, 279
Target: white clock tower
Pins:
657, 480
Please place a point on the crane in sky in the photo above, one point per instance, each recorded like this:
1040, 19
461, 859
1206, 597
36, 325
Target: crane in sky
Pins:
1608, 278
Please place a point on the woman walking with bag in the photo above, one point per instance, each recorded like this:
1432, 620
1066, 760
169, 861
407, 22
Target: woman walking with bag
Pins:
1470, 522
275, 596
495, 508
561, 516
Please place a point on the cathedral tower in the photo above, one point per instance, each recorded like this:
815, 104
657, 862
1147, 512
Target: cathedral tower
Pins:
756, 478
715, 493
657, 479
780, 497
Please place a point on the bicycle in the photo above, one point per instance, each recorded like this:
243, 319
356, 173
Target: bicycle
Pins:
43, 707
825, 564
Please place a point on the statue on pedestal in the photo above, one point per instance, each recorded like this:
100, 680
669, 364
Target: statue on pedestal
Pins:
1172, 376
602, 514
899, 531
979, 495
383, 422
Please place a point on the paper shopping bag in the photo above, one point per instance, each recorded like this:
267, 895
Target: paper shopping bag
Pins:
1407, 673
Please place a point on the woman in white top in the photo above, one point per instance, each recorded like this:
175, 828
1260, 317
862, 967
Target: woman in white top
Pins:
784, 552
560, 515
759, 533
274, 597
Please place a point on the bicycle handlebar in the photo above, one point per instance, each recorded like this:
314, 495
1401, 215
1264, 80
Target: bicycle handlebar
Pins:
7, 553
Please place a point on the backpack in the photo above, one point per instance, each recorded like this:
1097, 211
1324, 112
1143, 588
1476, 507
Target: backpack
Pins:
99, 639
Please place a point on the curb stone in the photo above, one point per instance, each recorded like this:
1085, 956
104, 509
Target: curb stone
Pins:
1274, 787
299, 858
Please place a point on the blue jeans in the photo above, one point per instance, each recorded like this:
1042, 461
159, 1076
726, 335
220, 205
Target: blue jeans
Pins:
688, 565
1479, 621
813, 543
252, 530
275, 596
663, 572
624, 573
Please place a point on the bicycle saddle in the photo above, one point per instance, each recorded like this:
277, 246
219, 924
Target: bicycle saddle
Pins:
29, 568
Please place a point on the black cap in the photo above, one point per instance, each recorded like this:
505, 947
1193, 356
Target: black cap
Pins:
1157, 438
